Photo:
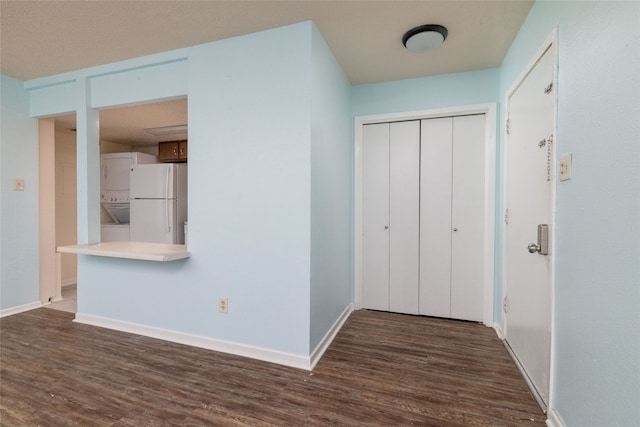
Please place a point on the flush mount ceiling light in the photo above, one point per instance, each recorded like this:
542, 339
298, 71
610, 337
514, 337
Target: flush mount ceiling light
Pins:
167, 130
424, 38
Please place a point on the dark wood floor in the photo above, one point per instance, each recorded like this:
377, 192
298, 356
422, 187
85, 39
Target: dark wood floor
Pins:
382, 369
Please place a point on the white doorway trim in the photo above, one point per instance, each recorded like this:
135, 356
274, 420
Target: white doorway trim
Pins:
550, 43
490, 191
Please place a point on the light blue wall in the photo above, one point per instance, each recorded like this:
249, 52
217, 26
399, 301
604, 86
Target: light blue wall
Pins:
331, 190
597, 277
256, 209
161, 80
449, 90
249, 187
19, 279
250, 138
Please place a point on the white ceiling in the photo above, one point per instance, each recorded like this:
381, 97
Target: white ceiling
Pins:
42, 38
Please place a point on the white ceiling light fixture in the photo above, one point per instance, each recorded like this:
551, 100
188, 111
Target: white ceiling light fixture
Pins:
167, 130
424, 38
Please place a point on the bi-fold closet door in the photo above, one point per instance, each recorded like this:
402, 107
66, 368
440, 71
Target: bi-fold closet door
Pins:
423, 217
391, 216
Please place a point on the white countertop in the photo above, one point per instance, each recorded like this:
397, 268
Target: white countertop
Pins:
130, 250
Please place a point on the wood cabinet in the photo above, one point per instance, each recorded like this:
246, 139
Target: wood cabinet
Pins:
173, 151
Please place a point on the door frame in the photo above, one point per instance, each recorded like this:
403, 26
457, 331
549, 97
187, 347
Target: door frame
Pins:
551, 42
49, 267
489, 110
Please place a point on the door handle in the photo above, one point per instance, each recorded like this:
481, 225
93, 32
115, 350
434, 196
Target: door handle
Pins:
166, 200
542, 247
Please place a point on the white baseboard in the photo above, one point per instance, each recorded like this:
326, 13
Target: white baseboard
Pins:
326, 341
20, 308
267, 355
553, 419
69, 281
498, 328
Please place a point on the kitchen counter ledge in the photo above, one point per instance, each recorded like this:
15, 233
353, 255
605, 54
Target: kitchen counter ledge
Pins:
130, 250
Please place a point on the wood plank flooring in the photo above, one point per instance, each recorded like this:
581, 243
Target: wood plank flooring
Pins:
382, 369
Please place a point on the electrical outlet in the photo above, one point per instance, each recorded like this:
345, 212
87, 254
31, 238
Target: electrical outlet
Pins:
223, 305
18, 184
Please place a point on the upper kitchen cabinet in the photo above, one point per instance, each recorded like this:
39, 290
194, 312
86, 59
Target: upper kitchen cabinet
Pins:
173, 151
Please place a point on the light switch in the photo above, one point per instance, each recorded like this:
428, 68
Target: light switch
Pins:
18, 184
565, 167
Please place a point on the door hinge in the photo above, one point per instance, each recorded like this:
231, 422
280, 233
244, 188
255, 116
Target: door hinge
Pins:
505, 305
506, 216
508, 126
549, 88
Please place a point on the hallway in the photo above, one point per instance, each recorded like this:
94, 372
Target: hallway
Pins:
69, 302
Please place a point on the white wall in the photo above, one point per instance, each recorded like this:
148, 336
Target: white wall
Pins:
19, 220
596, 380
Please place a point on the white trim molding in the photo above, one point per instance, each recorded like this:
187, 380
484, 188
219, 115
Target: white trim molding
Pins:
21, 308
326, 341
489, 110
259, 353
554, 420
498, 328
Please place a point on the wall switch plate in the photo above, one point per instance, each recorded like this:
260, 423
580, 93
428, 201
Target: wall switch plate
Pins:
18, 184
565, 167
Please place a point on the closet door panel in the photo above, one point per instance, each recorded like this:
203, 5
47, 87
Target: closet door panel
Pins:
435, 217
404, 216
375, 218
467, 250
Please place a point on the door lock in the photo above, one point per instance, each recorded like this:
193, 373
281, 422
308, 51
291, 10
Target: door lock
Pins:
542, 247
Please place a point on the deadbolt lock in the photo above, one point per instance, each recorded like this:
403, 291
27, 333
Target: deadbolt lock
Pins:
542, 247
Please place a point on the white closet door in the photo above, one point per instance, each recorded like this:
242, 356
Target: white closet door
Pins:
435, 217
375, 217
467, 247
404, 217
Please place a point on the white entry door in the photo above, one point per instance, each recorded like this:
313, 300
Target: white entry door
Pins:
529, 203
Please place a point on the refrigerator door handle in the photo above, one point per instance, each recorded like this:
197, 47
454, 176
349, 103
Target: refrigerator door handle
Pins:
166, 184
166, 205
166, 200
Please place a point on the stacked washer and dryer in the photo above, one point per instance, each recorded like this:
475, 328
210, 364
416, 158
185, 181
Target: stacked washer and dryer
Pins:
114, 192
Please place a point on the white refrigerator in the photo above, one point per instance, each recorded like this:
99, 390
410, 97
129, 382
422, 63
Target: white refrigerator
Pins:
158, 202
